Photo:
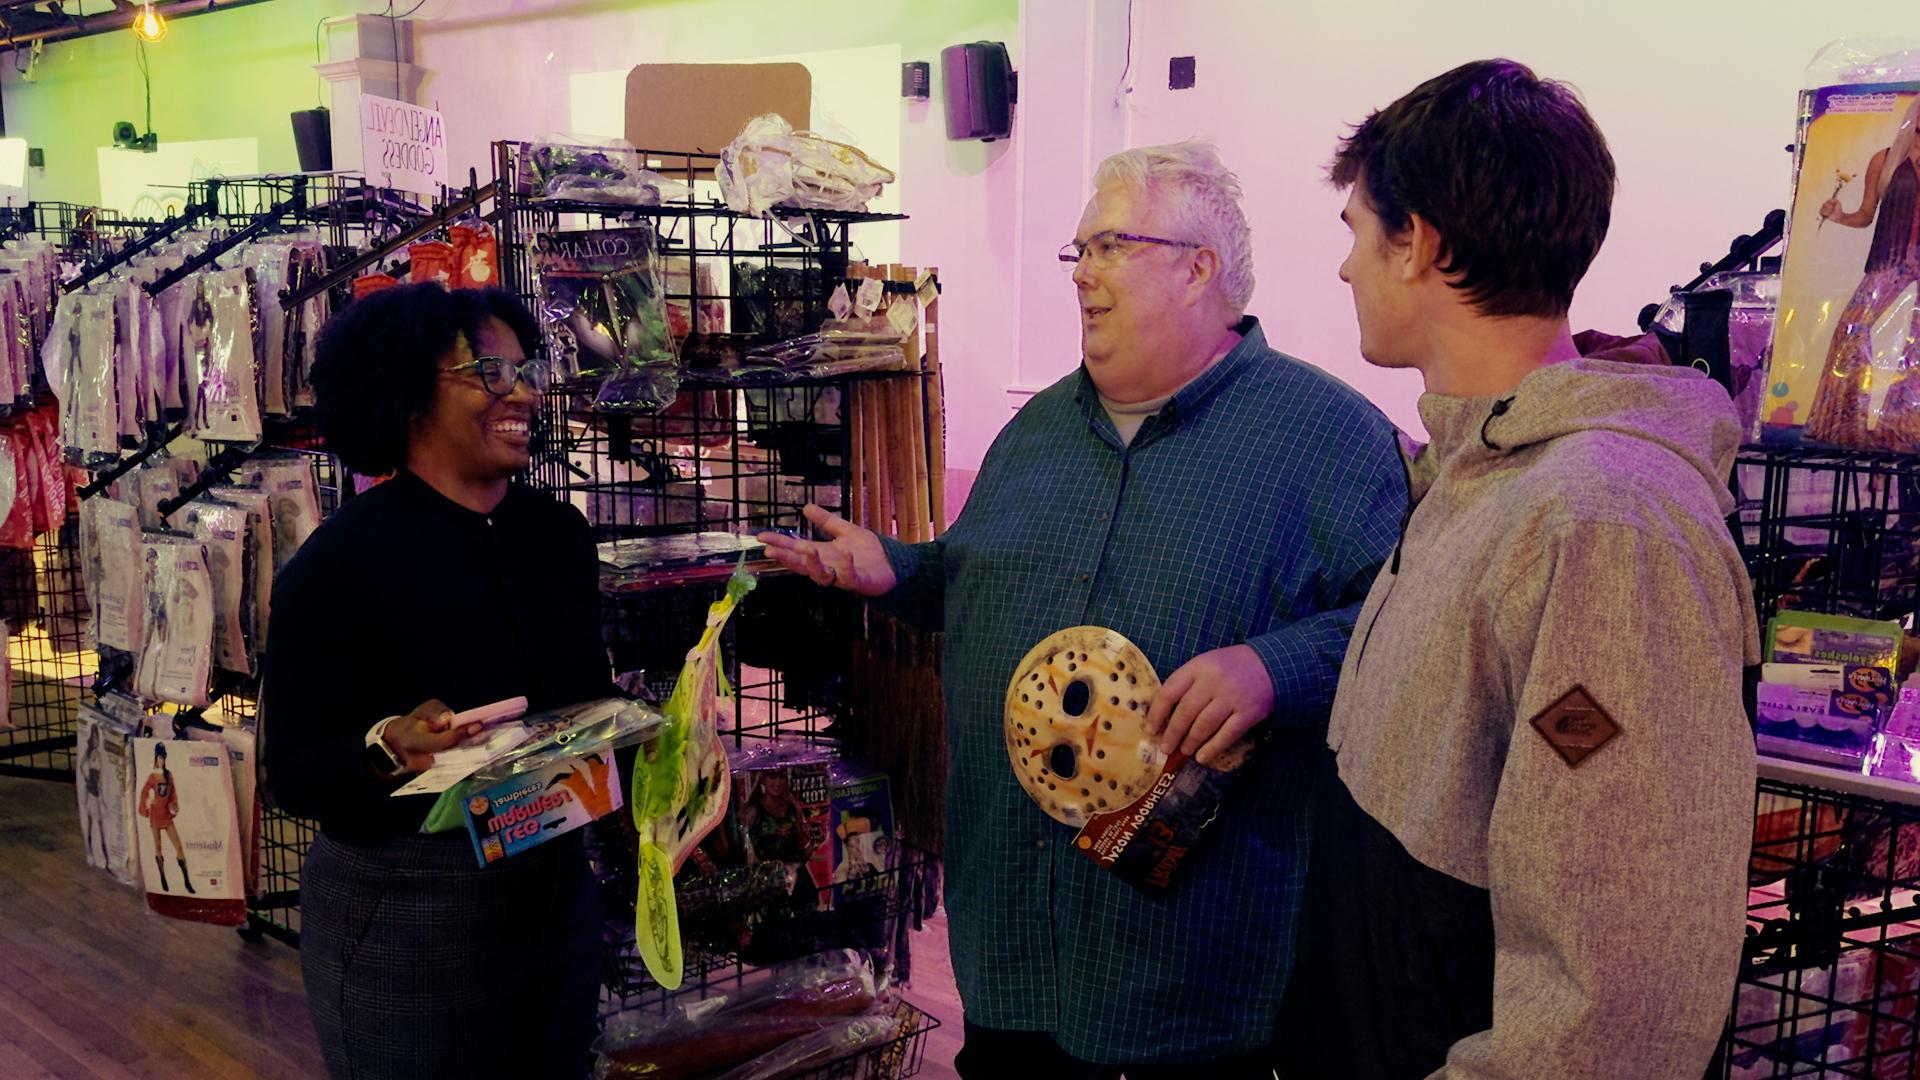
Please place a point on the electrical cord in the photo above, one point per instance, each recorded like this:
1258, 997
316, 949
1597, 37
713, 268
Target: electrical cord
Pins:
146, 77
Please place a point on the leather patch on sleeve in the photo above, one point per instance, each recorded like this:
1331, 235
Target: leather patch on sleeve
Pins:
1575, 726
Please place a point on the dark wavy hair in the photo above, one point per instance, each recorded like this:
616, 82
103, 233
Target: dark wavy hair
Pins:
1507, 167
379, 359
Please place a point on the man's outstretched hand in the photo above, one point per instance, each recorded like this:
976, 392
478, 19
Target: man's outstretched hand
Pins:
851, 557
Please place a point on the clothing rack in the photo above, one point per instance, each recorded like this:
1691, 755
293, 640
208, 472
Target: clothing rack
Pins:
193, 213
470, 202
269, 218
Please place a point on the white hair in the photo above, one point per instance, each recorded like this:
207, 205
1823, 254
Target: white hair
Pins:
1199, 199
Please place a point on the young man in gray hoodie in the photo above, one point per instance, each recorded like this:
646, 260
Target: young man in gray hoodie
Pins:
1532, 863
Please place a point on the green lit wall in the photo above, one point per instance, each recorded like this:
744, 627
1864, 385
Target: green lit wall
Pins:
229, 74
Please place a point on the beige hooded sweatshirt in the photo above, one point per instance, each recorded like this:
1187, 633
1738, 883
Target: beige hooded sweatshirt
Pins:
1571, 534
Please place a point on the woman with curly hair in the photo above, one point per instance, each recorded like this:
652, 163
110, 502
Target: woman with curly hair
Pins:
447, 587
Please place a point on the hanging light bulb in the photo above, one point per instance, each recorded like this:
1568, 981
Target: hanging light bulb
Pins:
149, 24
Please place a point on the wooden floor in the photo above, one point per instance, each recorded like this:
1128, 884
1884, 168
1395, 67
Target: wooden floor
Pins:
93, 985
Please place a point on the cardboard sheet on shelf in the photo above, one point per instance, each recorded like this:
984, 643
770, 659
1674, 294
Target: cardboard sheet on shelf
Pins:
701, 107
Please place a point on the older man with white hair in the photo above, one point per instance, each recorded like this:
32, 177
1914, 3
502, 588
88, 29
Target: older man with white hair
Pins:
1223, 506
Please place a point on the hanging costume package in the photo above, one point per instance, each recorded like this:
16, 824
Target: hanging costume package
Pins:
295, 501
81, 350
240, 743
1846, 347
177, 660
227, 404
103, 779
116, 573
259, 561
270, 265
605, 318
681, 785
222, 529
189, 840
303, 323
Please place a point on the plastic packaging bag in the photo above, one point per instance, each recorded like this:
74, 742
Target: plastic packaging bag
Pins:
793, 999
222, 529
82, 349
680, 789
294, 499
1753, 299
589, 169
116, 573
835, 1042
227, 403
177, 660
605, 317
1846, 351
259, 560
769, 164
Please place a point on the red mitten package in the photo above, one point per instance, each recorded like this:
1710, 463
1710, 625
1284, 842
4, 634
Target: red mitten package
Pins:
476, 256
432, 261
372, 283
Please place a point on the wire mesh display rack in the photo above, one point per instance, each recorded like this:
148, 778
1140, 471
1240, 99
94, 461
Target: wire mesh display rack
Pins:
1830, 977
1833, 531
43, 600
728, 455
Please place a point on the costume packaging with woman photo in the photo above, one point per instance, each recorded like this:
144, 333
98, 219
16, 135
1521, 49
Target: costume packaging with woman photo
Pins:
186, 830
1846, 358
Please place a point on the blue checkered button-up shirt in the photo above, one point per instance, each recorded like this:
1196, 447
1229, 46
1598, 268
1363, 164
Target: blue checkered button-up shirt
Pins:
1255, 507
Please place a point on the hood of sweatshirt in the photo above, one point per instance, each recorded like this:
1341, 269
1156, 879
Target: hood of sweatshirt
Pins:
1678, 409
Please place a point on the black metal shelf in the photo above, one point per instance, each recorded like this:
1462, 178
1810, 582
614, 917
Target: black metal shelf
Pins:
715, 210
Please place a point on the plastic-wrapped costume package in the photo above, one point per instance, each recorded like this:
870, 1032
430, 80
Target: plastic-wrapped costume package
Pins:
1846, 348
294, 496
189, 836
176, 662
116, 573
697, 1038
589, 169
769, 164
271, 265
303, 323
222, 529
259, 560
240, 743
221, 335
103, 781
605, 316
79, 360
681, 784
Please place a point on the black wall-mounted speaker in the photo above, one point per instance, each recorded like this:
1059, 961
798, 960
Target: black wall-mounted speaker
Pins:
977, 82
313, 138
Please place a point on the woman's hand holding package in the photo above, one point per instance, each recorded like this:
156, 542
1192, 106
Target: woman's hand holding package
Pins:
422, 733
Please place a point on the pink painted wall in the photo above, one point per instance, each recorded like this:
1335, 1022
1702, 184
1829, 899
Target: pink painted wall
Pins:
1697, 101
